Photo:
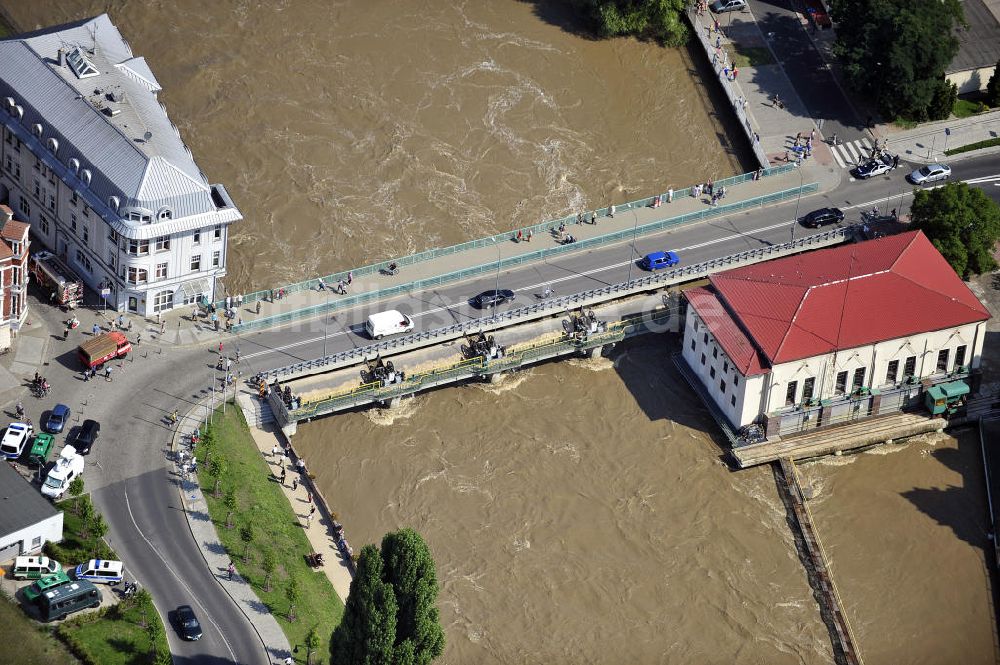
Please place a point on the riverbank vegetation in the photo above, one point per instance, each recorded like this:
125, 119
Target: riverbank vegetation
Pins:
391, 615
263, 535
895, 52
661, 20
962, 222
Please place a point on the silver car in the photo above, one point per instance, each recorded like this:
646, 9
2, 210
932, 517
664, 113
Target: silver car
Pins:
930, 173
722, 6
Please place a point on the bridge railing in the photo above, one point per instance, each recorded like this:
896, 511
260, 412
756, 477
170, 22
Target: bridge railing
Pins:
552, 305
543, 227
538, 255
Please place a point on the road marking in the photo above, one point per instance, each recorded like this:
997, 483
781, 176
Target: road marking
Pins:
837, 157
180, 581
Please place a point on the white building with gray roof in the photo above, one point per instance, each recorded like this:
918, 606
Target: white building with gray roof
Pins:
90, 159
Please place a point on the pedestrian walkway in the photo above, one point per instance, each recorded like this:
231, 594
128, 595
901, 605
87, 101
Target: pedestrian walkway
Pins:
928, 142
203, 531
851, 153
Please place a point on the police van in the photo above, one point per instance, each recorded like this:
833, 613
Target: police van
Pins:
67, 598
100, 571
33, 567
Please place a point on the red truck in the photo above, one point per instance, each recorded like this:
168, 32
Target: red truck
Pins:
98, 350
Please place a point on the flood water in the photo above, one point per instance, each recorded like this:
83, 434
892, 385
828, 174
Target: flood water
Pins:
578, 512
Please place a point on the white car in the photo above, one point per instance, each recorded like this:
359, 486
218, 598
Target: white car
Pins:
930, 173
68, 466
15, 439
721, 6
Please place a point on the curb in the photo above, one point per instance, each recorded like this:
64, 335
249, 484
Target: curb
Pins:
175, 439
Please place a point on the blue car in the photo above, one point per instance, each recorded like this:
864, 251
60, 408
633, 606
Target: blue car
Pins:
57, 419
658, 260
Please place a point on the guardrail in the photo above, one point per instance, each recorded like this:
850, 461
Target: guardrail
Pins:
538, 255
728, 86
543, 227
551, 306
374, 392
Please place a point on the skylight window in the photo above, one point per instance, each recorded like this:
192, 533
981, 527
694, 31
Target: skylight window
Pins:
81, 66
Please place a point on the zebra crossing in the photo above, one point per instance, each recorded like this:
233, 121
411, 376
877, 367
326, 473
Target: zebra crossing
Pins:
848, 153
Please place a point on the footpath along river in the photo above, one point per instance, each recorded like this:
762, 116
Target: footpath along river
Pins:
578, 512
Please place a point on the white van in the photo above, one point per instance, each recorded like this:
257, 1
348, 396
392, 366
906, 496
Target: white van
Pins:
388, 323
34, 567
100, 571
68, 466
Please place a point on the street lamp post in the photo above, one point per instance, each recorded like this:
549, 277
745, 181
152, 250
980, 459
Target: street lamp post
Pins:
631, 251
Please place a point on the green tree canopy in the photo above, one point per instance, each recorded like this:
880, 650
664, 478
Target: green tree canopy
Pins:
410, 569
367, 631
962, 222
896, 52
662, 20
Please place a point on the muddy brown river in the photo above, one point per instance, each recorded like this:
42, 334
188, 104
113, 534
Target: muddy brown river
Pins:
578, 512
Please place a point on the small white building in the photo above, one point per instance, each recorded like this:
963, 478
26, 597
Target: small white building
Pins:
816, 338
27, 520
91, 161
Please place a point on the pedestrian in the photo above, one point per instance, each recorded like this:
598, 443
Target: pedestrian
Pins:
66, 333
718, 41
812, 134
96, 330
709, 187
593, 217
107, 372
194, 313
312, 510
220, 348
284, 459
230, 570
833, 139
579, 218
295, 484
736, 71
670, 195
284, 472
258, 307
528, 237
725, 72
895, 162
239, 300
350, 277
138, 338
715, 59
114, 326
309, 520
163, 327
229, 302
611, 211
520, 236
121, 320
309, 497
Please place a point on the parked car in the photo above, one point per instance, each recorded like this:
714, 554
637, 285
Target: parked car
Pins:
41, 446
187, 623
85, 437
930, 173
822, 217
492, 298
57, 419
658, 260
15, 439
722, 6
67, 467
873, 167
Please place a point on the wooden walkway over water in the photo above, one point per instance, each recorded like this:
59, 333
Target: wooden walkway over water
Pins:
831, 607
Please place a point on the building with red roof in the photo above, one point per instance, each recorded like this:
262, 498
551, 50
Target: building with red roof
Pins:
13, 275
830, 327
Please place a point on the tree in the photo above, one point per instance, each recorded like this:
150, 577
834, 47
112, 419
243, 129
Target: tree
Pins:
231, 504
154, 630
215, 469
367, 631
163, 657
207, 443
896, 52
409, 568
662, 20
269, 563
246, 535
993, 88
97, 526
86, 512
76, 486
312, 643
962, 223
143, 600
292, 594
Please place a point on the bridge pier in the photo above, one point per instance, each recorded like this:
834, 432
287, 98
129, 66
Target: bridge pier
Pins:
495, 377
290, 429
391, 403
592, 352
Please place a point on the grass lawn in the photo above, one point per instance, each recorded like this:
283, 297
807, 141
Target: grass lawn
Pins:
988, 143
964, 108
74, 548
276, 529
34, 644
750, 56
116, 638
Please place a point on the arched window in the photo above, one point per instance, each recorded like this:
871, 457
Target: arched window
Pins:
85, 176
53, 144
165, 213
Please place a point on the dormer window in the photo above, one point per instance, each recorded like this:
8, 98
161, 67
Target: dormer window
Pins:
80, 64
165, 213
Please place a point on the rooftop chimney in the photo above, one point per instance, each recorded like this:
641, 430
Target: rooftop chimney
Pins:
62, 58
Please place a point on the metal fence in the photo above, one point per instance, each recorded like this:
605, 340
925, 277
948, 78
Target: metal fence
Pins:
738, 102
549, 306
538, 255
543, 227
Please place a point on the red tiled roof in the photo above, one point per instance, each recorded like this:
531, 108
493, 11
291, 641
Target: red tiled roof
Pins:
14, 230
848, 296
726, 331
5, 252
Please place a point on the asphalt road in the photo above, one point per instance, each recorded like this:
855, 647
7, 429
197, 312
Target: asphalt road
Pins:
806, 69
573, 273
133, 483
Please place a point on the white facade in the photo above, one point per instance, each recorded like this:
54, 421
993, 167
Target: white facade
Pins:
838, 375
30, 539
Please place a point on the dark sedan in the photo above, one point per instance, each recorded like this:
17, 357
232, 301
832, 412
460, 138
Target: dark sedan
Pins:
86, 436
187, 623
492, 298
823, 217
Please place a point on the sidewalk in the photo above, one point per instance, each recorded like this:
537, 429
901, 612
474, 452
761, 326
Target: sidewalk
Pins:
196, 509
928, 142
